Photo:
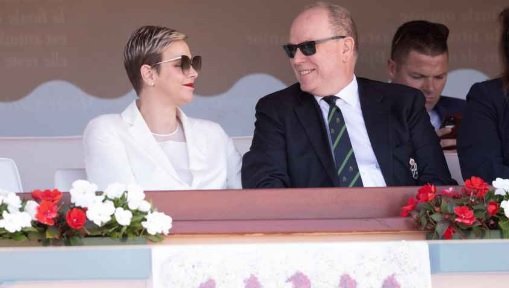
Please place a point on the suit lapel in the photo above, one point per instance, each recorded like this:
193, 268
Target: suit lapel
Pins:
196, 146
143, 138
378, 122
310, 116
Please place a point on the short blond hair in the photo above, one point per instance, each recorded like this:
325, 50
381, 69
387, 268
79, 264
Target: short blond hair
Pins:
145, 46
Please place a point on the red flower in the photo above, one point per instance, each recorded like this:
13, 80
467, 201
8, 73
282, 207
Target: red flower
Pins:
449, 232
76, 218
46, 213
426, 193
464, 215
477, 186
405, 210
47, 195
492, 208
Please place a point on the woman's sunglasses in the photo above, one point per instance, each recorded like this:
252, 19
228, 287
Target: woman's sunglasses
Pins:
185, 63
307, 48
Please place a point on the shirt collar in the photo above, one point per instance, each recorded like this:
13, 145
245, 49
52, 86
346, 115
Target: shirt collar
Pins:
349, 94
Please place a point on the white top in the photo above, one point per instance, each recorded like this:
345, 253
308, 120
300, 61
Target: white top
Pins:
177, 154
350, 107
121, 148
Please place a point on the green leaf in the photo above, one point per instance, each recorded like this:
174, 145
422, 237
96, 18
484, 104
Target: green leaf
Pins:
125, 231
52, 232
424, 222
437, 217
492, 234
441, 227
137, 218
19, 237
75, 241
481, 215
504, 226
476, 233
479, 207
445, 207
155, 238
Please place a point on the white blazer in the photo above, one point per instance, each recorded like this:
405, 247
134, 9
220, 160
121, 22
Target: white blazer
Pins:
121, 148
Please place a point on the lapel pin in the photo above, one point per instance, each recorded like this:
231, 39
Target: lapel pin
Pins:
413, 168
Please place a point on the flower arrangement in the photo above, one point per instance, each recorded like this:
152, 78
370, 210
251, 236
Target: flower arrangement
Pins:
120, 212
470, 213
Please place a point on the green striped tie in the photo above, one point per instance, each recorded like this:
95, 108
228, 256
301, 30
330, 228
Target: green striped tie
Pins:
346, 165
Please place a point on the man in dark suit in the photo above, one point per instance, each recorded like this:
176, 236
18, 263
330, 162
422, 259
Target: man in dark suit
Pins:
334, 129
420, 59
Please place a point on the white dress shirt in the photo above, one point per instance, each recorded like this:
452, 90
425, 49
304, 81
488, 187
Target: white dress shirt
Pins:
350, 107
435, 119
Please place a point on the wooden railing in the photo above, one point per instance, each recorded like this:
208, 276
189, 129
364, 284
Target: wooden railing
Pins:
285, 210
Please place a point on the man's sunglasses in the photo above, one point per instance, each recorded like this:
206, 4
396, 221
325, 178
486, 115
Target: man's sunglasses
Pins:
307, 48
185, 63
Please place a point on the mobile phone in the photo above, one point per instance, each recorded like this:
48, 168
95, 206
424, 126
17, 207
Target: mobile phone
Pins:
448, 122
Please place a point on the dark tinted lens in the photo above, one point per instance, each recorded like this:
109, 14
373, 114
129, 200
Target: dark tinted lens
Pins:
185, 63
290, 50
308, 48
196, 63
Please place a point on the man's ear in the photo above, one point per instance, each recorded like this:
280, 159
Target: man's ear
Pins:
348, 48
392, 67
148, 75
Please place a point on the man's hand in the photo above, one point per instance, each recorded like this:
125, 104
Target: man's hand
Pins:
445, 143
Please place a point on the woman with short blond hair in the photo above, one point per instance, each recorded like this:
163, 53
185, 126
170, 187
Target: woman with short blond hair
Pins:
153, 143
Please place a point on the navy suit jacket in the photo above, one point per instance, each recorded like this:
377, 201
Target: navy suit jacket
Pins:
291, 148
483, 140
447, 106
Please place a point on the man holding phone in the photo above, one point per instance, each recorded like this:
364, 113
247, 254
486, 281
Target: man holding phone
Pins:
420, 59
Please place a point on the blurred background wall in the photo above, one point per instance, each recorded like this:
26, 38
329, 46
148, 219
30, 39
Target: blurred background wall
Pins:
61, 60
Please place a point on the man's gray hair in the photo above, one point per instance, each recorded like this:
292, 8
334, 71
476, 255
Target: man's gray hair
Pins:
340, 20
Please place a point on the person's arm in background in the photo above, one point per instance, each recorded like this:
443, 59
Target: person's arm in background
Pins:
480, 147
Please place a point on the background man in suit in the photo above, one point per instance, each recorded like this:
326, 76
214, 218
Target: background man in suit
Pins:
420, 59
300, 137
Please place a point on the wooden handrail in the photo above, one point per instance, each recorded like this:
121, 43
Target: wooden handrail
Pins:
329, 210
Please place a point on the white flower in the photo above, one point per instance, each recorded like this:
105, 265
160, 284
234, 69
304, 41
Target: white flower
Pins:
505, 204
13, 202
83, 193
3, 194
100, 212
135, 196
156, 223
31, 208
501, 185
123, 216
14, 222
135, 193
144, 206
115, 190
